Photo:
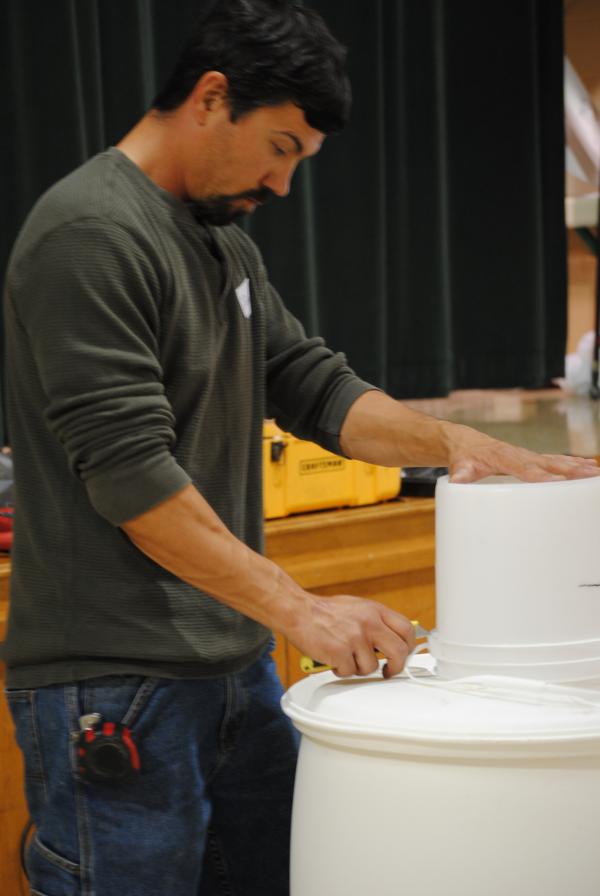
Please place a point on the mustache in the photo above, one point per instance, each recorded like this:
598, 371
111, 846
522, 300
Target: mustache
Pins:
221, 210
264, 194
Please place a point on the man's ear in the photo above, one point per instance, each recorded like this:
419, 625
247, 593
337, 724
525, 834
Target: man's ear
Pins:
209, 95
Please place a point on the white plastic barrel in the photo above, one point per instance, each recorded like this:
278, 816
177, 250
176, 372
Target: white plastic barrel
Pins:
490, 788
518, 579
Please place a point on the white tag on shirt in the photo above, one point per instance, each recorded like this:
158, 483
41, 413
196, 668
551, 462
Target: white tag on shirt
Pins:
243, 295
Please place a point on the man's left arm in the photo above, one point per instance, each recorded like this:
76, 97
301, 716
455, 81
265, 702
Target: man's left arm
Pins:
380, 430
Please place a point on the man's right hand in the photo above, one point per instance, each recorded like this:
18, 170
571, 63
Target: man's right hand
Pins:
345, 631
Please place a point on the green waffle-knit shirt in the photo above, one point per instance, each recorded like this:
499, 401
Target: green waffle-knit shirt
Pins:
144, 350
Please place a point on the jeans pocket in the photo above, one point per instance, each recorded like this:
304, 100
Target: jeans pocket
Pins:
49, 873
117, 698
22, 707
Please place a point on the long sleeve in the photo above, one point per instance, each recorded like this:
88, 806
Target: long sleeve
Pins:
310, 389
90, 308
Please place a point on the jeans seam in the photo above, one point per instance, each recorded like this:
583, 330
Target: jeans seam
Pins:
38, 750
235, 705
230, 700
216, 851
83, 828
54, 858
220, 751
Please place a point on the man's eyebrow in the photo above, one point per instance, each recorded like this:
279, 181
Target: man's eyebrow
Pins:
292, 136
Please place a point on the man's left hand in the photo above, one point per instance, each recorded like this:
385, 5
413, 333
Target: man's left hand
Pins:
474, 455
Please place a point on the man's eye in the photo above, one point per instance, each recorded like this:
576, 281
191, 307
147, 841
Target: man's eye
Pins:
278, 150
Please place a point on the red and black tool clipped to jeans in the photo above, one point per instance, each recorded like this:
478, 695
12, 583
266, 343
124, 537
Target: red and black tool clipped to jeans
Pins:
106, 751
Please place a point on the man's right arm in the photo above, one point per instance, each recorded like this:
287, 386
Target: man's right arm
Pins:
185, 536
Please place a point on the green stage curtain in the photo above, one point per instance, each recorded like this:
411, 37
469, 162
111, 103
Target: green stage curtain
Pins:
427, 241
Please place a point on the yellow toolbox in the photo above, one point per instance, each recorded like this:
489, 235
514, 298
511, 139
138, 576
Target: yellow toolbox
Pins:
299, 476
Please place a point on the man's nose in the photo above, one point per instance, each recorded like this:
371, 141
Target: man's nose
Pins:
279, 182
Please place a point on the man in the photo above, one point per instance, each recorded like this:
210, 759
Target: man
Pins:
145, 347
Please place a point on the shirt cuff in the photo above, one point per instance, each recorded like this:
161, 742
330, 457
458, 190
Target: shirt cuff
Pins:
337, 409
122, 494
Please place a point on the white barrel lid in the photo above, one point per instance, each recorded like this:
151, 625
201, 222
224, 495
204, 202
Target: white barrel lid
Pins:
482, 714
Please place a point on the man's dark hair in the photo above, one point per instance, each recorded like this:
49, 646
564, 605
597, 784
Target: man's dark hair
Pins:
271, 52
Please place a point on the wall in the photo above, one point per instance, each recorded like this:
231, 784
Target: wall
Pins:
582, 42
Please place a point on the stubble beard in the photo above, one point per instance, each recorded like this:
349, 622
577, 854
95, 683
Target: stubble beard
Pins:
225, 209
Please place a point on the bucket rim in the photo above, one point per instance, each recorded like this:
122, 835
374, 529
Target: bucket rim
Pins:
506, 482
554, 738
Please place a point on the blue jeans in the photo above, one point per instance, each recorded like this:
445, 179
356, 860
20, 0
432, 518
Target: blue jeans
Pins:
207, 814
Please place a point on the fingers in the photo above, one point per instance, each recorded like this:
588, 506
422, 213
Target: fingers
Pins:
398, 642
394, 637
550, 468
400, 626
524, 465
362, 661
466, 471
346, 631
569, 467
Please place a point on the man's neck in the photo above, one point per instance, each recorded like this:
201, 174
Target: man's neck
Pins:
152, 146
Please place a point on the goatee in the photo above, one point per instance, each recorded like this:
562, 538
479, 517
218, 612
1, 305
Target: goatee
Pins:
222, 210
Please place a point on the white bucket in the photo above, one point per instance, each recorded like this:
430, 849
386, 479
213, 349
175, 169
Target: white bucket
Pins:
408, 788
518, 579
